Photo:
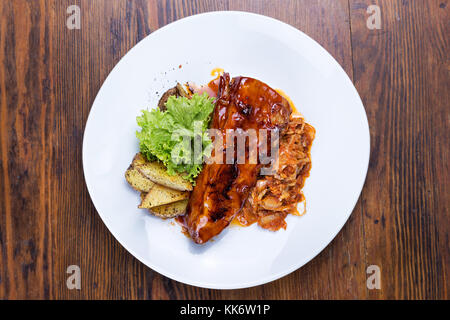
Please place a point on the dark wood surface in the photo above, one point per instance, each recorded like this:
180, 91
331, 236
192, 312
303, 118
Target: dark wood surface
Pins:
50, 75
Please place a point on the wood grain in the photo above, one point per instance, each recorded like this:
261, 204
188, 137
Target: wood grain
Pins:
401, 73
50, 75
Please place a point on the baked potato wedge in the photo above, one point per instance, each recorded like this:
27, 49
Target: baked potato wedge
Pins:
138, 181
156, 172
138, 160
177, 91
170, 210
160, 195
163, 195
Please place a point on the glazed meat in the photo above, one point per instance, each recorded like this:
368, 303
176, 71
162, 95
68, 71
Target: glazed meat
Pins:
222, 189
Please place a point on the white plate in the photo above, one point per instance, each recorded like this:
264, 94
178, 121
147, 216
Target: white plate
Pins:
242, 44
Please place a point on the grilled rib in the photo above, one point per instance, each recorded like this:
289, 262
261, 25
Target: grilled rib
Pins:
222, 189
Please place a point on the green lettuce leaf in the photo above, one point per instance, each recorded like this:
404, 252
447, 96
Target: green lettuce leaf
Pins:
170, 136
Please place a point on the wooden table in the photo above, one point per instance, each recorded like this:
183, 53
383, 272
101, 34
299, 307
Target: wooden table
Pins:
50, 75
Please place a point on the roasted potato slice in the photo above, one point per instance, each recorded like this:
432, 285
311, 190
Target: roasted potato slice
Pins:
138, 160
157, 172
177, 91
170, 210
137, 180
160, 195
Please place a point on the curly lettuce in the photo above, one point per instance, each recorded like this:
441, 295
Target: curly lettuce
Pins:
178, 136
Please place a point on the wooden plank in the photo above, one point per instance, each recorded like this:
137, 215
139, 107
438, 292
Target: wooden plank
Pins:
25, 113
83, 59
401, 73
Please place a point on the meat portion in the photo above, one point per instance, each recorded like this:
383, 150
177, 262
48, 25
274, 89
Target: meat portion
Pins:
274, 197
222, 189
